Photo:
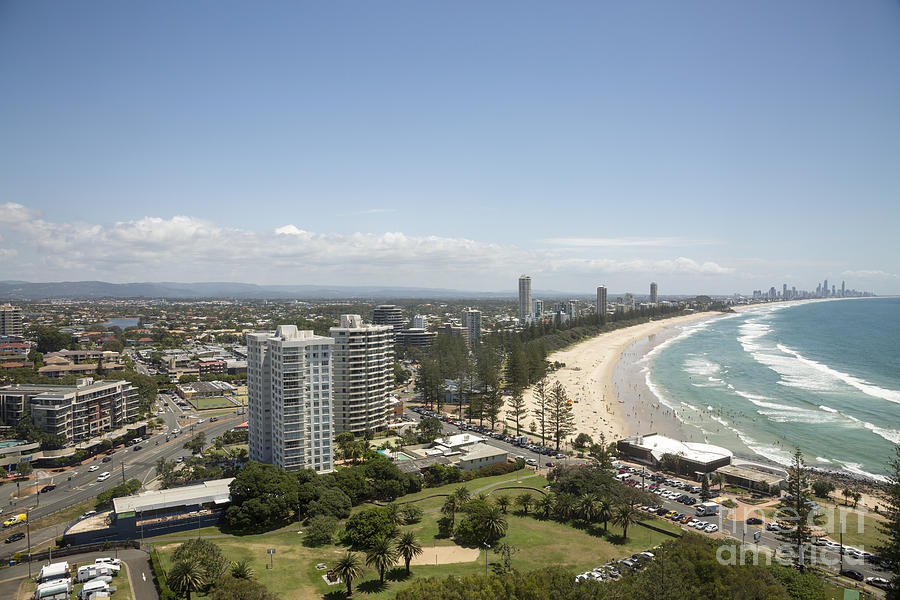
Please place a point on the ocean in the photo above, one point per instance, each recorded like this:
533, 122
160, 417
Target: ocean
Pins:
821, 376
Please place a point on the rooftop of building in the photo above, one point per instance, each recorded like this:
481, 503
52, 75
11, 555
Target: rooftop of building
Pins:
85, 384
751, 474
206, 387
215, 491
659, 445
459, 440
482, 450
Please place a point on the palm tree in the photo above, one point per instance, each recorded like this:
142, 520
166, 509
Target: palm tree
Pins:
719, 480
381, 555
186, 576
449, 509
525, 500
348, 568
565, 502
625, 515
604, 511
847, 494
394, 514
503, 503
408, 547
587, 507
494, 523
545, 505
242, 570
462, 495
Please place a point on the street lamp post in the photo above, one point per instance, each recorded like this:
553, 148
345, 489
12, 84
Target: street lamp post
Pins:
486, 548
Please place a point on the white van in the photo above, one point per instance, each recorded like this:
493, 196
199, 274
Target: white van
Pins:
58, 570
103, 476
93, 586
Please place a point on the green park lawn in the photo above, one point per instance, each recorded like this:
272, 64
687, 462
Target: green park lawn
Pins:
217, 402
540, 543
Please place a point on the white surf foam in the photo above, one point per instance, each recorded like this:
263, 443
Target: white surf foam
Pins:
823, 460
856, 468
860, 384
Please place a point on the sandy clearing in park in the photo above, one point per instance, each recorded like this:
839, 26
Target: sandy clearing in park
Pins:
442, 555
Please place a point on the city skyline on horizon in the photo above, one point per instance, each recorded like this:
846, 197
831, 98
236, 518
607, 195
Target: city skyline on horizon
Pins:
710, 149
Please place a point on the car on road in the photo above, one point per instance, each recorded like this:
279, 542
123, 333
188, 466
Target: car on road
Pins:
180, 459
137, 447
93, 468
773, 527
754, 521
15, 520
14, 538
106, 459
852, 574
103, 476
214, 419
531, 461
47, 488
711, 528
176, 431
89, 513
201, 422
879, 582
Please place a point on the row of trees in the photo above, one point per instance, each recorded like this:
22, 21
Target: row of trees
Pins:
265, 497
199, 566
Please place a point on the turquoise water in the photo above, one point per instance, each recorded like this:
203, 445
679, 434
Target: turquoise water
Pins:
821, 376
122, 322
398, 456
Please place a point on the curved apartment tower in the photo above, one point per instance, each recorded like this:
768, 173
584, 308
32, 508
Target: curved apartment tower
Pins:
362, 372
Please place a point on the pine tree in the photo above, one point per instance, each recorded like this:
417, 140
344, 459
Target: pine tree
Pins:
516, 409
798, 489
542, 403
890, 528
562, 421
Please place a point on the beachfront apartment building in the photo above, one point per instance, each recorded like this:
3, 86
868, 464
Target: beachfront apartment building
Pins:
11, 321
363, 375
524, 299
601, 300
471, 320
77, 412
654, 293
289, 398
389, 314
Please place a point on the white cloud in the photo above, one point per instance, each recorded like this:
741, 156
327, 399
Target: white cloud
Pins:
624, 242
871, 274
12, 212
188, 248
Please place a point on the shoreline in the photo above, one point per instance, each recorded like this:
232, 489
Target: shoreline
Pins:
589, 375
605, 379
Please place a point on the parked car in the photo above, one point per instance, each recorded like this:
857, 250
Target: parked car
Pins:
15, 537
852, 574
754, 521
879, 582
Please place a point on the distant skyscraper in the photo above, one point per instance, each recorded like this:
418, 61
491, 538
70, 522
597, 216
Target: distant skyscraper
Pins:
11, 320
362, 374
419, 322
825, 289
538, 305
289, 398
654, 293
833, 291
772, 293
389, 314
843, 289
784, 292
472, 322
524, 298
572, 308
601, 300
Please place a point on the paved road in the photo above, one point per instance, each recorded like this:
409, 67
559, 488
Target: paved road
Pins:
138, 562
125, 464
743, 533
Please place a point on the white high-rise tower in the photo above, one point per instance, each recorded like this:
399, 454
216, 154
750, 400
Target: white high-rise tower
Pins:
524, 299
362, 372
289, 398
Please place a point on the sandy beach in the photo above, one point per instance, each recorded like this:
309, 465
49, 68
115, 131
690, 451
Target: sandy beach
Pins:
603, 402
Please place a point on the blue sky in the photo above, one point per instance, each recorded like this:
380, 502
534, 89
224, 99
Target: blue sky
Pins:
710, 146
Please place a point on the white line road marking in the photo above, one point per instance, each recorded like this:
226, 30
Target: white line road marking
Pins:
143, 576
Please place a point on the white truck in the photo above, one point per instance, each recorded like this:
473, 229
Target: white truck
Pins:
706, 509
88, 572
54, 588
52, 571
